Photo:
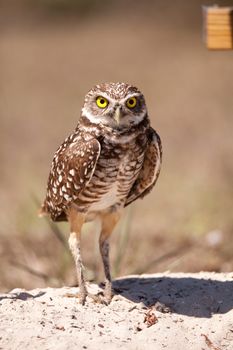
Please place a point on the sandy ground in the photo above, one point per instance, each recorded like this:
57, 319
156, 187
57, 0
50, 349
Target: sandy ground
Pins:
200, 317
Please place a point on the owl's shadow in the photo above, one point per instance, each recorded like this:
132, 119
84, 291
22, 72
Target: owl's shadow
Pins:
184, 295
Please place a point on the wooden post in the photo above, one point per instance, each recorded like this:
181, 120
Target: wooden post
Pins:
218, 27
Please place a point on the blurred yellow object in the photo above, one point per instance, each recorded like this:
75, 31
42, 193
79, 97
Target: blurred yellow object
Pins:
218, 27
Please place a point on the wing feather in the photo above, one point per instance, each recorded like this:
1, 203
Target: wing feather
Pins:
72, 169
150, 169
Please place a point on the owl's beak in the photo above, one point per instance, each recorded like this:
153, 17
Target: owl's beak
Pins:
117, 115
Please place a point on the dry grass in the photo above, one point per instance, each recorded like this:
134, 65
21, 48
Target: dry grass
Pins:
46, 69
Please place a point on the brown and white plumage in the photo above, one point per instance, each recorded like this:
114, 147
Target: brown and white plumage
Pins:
112, 158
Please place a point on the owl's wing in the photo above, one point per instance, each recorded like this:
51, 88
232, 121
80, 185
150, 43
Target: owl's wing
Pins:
72, 168
150, 170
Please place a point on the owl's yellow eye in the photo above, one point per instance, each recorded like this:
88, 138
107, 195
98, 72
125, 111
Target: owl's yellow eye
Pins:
131, 102
101, 102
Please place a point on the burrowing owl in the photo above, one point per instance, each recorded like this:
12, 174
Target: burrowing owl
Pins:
112, 158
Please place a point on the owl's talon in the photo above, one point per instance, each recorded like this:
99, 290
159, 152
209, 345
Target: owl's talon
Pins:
99, 298
82, 297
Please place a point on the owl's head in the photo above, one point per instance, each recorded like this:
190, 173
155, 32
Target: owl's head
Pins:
116, 105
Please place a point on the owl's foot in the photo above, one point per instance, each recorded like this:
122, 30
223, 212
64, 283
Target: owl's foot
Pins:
97, 298
104, 297
82, 296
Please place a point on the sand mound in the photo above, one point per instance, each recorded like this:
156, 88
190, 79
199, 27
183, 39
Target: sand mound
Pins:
159, 311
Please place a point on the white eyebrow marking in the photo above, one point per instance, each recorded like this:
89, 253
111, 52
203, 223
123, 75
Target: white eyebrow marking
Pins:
129, 96
113, 100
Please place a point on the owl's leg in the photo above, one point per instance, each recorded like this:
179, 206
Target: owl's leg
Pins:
76, 221
108, 223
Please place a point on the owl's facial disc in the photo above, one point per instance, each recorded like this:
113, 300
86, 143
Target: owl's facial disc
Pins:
116, 113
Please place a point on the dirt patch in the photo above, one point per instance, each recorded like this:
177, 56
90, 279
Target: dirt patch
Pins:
169, 311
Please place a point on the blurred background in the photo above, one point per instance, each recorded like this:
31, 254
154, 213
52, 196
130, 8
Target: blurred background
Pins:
51, 53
